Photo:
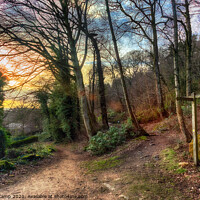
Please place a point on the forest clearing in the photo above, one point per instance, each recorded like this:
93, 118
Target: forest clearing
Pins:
99, 99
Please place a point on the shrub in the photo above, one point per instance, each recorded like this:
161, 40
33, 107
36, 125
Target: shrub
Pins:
4, 140
25, 141
60, 111
104, 142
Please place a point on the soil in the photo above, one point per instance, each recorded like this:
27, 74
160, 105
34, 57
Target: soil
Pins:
139, 176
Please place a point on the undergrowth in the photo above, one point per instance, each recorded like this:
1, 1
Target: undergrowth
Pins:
116, 117
5, 165
147, 115
40, 149
25, 154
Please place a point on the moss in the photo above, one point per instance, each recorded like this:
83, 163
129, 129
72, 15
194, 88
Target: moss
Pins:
141, 138
5, 165
100, 165
151, 186
181, 170
51, 149
32, 152
25, 141
170, 162
40, 149
31, 157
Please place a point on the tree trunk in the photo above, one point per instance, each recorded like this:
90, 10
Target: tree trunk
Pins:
101, 85
93, 84
138, 129
176, 77
89, 121
163, 112
188, 50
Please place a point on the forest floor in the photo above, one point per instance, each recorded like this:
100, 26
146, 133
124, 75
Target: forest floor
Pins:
154, 168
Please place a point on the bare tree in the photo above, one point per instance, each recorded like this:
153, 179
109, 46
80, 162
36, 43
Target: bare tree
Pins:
138, 128
188, 43
176, 76
101, 83
142, 18
92, 77
50, 29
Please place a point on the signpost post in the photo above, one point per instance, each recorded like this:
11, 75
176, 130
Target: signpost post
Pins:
193, 99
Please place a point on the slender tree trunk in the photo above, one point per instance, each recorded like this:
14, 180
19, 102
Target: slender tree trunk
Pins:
78, 118
176, 77
138, 129
101, 85
188, 50
93, 84
90, 90
89, 121
163, 112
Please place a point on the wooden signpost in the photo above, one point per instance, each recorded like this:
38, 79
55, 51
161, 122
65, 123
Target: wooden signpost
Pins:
193, 98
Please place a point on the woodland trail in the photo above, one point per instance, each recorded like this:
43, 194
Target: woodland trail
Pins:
64, 178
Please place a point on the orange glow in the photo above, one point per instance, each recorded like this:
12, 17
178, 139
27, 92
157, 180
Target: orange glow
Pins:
22, 80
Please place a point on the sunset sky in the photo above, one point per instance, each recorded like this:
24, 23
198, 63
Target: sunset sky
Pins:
126, 44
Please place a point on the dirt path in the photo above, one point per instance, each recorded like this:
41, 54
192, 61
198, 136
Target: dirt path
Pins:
62, 180
65, 179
